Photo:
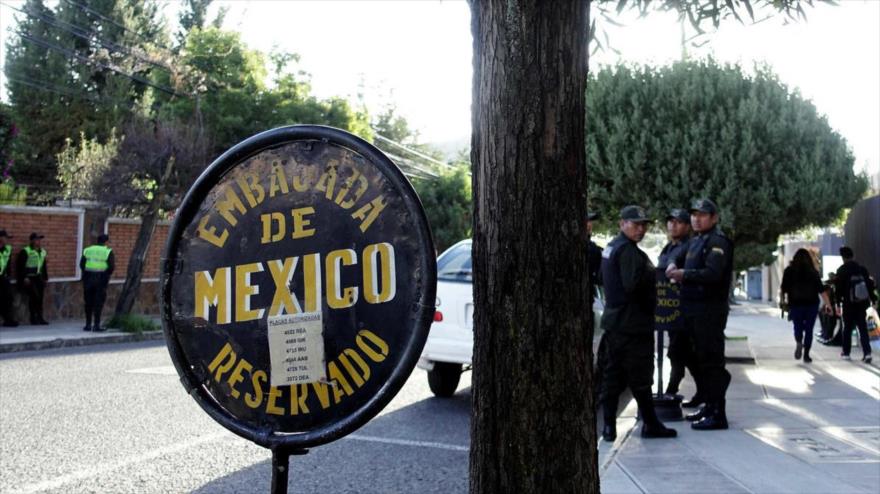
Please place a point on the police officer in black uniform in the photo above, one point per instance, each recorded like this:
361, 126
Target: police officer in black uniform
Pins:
681, 343
705, 276
630, 295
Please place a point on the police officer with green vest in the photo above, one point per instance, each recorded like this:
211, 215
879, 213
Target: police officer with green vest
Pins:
705, 273
97, 265
32, 273
628, 278
5, 285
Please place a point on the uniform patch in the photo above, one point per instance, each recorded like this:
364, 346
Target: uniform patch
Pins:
718, 250
606, 253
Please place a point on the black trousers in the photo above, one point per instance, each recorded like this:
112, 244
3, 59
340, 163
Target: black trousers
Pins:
6, 300
629, 363
855, 317
707, 326
34, 287
94, 293
682, 354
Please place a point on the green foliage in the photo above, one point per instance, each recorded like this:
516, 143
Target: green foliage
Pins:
448, 204
663, 136
60, 80
82, 164
232, 95
132, 323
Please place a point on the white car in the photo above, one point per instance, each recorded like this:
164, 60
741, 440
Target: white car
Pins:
450, 344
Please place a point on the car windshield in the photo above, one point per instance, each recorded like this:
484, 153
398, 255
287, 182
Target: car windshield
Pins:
455, 264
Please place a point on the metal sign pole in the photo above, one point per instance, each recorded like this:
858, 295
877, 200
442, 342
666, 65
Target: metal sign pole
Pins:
281, 467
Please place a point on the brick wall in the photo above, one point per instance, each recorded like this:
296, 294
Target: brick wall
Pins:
67, 232
123, 234
60, 226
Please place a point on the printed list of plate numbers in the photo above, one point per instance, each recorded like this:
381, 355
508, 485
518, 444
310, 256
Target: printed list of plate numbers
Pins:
296, 349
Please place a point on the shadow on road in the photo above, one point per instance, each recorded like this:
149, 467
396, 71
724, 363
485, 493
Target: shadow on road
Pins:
421, 447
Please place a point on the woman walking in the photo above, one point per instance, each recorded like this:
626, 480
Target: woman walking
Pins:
801, 288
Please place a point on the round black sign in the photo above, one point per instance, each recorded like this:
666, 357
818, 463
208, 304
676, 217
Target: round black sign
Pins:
298, 286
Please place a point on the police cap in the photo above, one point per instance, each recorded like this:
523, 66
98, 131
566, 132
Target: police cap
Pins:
704, 206
679, 214
634, 213
103, 238
4, 234
35, 236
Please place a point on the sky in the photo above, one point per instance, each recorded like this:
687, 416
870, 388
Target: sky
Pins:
417, 55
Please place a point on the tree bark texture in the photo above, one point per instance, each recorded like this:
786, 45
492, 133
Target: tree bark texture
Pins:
533, 427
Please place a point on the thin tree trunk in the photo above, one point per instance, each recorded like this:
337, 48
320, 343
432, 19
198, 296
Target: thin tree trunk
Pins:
136, 262
533, 427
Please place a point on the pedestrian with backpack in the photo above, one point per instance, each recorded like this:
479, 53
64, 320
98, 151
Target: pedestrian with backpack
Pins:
856, 290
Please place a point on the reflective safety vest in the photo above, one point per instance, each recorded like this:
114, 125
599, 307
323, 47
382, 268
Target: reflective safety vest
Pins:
5, 253
35, 260
96, 258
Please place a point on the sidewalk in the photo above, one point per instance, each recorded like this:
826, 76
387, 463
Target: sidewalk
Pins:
794, 427
63, 334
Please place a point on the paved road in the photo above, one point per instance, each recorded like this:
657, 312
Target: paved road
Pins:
114, 418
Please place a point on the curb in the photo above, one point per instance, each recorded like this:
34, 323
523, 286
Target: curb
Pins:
77, 342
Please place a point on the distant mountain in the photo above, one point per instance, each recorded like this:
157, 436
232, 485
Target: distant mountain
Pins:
451, 148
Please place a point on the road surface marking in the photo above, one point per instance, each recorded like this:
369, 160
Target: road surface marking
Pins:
406, 442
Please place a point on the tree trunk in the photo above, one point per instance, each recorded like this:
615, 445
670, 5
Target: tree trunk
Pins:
533, 427
135, 272
132, 285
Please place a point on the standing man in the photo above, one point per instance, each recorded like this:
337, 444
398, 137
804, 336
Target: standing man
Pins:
705, 285
30, 267
855, 288
5, 286
681, 342
628, 321
97, 265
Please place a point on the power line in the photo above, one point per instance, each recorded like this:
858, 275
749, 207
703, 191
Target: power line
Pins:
88, 35
85, 59
411, 151
103, 17
69, 92
414, 166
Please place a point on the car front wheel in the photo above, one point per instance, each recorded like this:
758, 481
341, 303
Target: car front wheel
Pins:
443, 379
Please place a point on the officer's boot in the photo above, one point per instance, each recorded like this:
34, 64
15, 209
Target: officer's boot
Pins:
651, 425
717, 420
699, 414
609, 431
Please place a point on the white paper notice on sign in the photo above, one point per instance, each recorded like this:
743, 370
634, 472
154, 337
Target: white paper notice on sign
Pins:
296, 349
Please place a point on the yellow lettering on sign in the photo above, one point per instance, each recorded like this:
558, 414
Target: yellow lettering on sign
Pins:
300, 222
268, 220
327, 182
376, 256
213, 290
341, 386
323, 394
244, 290
303, 181
237, 376
277, 181
256, 399
362, 185
251, 188
225, 206
298, 395
283, 299
369, 212
373, 346
312, 271
337, 297
224, 353
209, 233
271, 406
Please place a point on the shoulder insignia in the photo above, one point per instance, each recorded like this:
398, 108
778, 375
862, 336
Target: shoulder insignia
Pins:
718, 250
606, 253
